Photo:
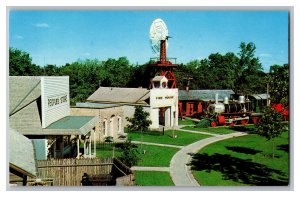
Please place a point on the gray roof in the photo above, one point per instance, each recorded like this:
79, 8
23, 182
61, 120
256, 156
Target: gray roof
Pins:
159, 78
204, 95
22, 91
260, 96
28, 120
21, 154
72, 125
96, 105
119, 95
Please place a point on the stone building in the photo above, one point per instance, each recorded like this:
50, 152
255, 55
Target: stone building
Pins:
160, 102
111, 119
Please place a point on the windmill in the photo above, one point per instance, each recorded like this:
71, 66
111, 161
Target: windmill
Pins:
159, 36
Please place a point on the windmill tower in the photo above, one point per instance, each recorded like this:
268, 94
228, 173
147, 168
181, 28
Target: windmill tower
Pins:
159, 43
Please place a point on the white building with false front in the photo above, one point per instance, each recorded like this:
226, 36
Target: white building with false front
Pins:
39, 108
160, 102
163, 104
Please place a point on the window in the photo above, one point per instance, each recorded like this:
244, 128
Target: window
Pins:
119, 124
104, 127
112, 125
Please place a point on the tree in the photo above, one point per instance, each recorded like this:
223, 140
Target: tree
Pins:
278, 80
140, 121
129, 154
249, 71
20, 64
270, 125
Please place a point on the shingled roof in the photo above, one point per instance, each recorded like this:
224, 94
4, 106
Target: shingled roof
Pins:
120, 95
204, 95
21, 154
22, 91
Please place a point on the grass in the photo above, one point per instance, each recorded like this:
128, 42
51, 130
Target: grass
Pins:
185, 122
183, 138
243, 161
147, 178
216, 130
105, 153
154, 156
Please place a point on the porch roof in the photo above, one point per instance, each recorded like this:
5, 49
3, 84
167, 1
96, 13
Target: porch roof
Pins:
72, 125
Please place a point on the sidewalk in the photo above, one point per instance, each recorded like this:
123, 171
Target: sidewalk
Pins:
156, 144
180, 170
198, 132
158, 169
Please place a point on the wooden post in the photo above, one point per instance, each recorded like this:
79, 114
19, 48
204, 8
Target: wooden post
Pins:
90, 146
24, 180
78, 146
95, 142
84, 147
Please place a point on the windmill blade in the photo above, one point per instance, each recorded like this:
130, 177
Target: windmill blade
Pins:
158, 32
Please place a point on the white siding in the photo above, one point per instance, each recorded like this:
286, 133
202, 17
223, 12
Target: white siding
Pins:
129, 112
55, 99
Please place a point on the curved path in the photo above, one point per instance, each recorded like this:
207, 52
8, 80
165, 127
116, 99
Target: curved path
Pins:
180, 171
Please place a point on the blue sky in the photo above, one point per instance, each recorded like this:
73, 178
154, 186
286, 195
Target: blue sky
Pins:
59, 37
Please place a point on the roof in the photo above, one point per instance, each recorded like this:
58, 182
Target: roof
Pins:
159, 78
72, 125
22, 91
260, 96
204, 95
28, 120
119, 95
96, 105
21, 153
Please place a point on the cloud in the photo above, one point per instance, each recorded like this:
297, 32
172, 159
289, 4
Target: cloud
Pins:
41, 25
19, 37
265, 55
86, 54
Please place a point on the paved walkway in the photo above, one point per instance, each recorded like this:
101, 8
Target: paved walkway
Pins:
156, 144
180, 171
198, 132
160, 169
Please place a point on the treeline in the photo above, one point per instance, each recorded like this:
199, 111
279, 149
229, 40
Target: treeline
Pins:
240, 72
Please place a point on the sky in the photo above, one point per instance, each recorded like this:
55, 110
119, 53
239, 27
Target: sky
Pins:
64, 36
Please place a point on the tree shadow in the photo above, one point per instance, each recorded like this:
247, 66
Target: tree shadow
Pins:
244, 150
239, 170
284, 147
243, 129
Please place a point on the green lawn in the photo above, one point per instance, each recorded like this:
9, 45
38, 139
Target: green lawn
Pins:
156, 156
216, 130
144, 178
183, 138
185, 122
105, 153
243, 161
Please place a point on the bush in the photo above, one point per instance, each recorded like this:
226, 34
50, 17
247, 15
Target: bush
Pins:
129, 154
204, 123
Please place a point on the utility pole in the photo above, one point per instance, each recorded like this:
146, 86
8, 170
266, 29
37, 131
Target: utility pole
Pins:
268, 104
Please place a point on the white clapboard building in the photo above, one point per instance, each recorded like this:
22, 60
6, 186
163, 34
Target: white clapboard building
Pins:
39, 108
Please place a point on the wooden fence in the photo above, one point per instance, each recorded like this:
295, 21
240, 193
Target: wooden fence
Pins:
69, 172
